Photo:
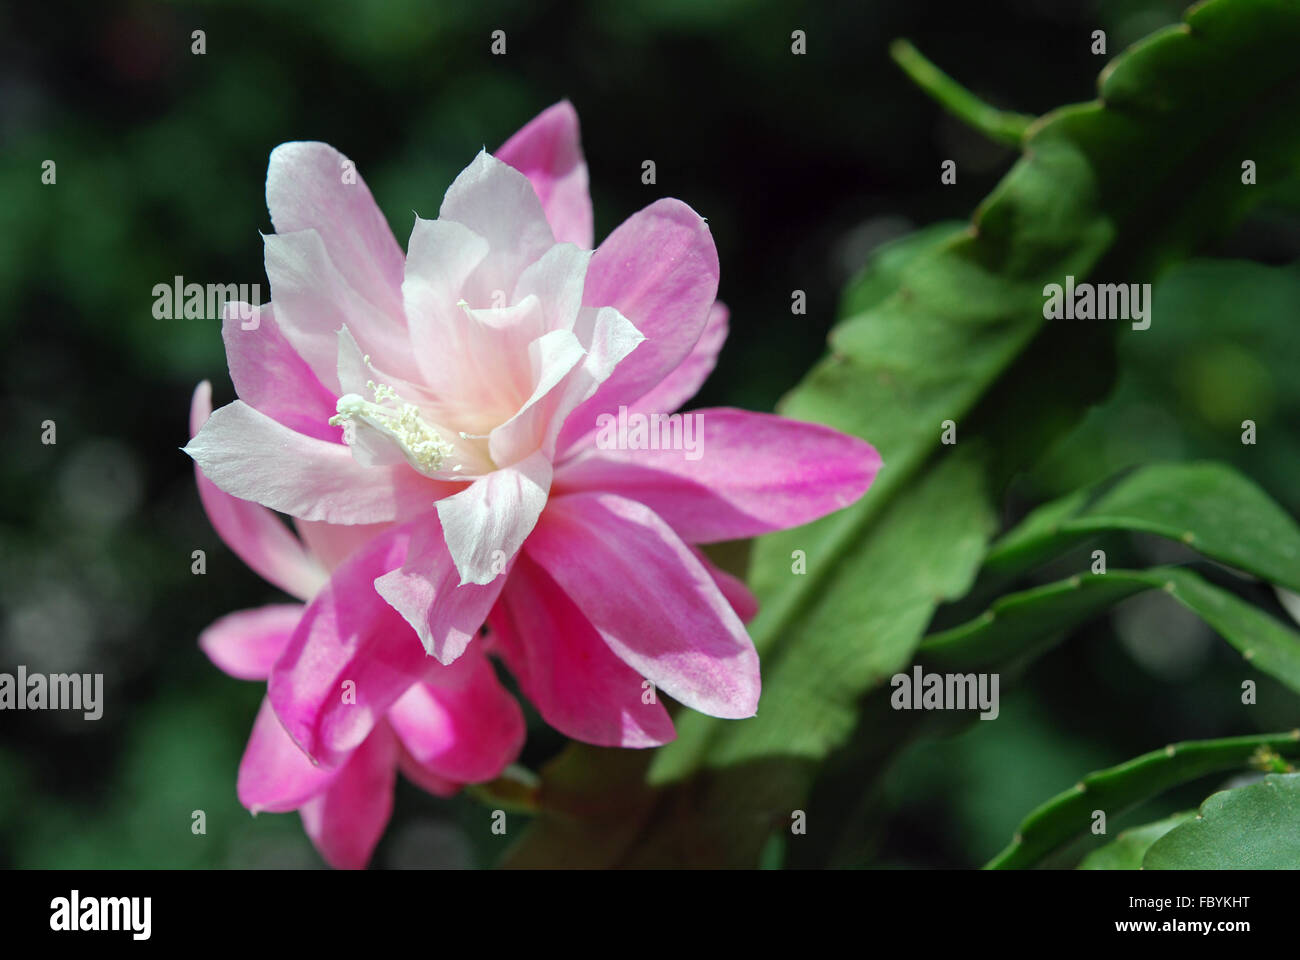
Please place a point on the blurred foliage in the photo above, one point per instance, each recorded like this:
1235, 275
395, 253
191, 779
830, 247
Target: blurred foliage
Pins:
803, 165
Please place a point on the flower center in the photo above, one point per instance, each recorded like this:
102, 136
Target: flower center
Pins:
400, 422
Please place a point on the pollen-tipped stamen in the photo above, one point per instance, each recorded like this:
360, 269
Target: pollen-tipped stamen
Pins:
421, 444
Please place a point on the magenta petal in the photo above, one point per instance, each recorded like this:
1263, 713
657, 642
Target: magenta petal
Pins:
567, 670
426, 590
346, 821
350, 658
270, 376
650, 599
274, 775
460, 724
246, 644
680, 385
251, 456
311, 186
425, 778
755, 472
659, 269
738, 595
548, 151
255, 534
688, 377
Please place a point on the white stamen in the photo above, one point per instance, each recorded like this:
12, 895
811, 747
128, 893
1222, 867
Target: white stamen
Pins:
421, 444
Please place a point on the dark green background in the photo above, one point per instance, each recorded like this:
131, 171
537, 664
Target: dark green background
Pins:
801, 164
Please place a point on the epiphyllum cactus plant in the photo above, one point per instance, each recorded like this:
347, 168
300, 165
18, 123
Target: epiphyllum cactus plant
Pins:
445, 403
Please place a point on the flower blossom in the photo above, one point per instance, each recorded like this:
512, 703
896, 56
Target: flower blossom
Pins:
446, 402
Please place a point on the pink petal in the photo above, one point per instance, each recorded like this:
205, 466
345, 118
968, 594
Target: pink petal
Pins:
271, 377
755, 472
311, 186
332, 543
740, 597
246, 644
686, 380
426, 590
251, 456
274, 775
548, 151
460, 724
255, 534
650, 599
566, 669
660, 270
486, 523
313, 300
346, 821
349, 645
497, 202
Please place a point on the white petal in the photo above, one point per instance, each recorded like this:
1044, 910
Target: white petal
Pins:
498, 203
552, 358
487, 522
609, 337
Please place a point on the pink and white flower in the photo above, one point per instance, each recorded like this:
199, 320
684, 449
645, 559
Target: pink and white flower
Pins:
446, 401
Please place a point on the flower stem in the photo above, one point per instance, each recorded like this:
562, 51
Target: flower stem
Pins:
999, 125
